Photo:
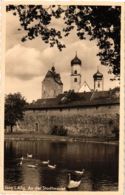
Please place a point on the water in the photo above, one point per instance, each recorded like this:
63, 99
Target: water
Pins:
100, 162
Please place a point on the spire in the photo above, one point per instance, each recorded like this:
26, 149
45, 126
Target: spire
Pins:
76, 61
98, 74
53, 68
98, 69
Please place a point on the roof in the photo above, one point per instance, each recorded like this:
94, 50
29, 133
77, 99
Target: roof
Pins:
77, 100
52, 74
85, 87
76, 61
98, 75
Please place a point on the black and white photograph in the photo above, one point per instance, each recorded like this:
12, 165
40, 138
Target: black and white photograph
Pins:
62, 97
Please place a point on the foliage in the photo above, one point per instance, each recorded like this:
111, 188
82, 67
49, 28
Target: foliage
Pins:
116, 129
100, 23
68, 97
14, 107
59, 130
116, 132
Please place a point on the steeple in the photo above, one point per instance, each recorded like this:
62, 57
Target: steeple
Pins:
75, 60
76, 73
98, 80
53, 69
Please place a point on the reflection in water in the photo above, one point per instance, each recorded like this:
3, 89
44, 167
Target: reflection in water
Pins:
100, 162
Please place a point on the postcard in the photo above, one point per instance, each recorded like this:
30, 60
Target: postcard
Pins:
62, 97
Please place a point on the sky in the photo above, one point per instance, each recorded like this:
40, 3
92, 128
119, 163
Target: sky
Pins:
28, 62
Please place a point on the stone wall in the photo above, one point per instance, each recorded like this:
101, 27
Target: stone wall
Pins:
89, 122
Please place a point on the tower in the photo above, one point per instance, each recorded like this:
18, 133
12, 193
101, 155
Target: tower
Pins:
52, 85
76, 74
98, 81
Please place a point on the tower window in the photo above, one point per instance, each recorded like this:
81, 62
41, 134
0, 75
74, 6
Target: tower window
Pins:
98, 84
75, 79
75, 72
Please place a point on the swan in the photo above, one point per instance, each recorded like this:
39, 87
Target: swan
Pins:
32, 166
45, 162
29, 155
51, 166
80, 173
73, 184
22, 158
20, 163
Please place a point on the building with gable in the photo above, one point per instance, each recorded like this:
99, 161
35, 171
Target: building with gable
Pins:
52, 85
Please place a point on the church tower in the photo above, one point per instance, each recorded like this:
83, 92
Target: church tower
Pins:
76, 74
98, 81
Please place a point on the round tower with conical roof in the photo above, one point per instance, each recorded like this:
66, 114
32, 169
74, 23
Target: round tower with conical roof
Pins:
76, 74
98, 81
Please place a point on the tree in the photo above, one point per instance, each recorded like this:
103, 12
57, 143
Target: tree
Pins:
68, 97
14, 109
115, 131
101, 23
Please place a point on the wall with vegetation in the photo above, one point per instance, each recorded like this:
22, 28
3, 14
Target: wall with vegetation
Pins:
99, 121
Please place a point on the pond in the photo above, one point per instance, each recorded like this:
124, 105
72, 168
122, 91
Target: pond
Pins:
99, 161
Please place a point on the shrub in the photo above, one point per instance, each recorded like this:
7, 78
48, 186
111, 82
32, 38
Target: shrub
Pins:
116, 132
59, 130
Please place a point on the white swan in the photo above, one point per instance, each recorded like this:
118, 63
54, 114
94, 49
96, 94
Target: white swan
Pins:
22, 158
20, 163
45, 162
73, 184
32, 166
29, 155
51, 166
80, 173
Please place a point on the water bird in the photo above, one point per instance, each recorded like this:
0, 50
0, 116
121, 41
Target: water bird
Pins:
29, 155
22, 158
32, 166
20, 163
80, 173
72, 183
45, 162
51, 166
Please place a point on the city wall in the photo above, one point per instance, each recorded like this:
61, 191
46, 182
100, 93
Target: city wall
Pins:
94, 121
